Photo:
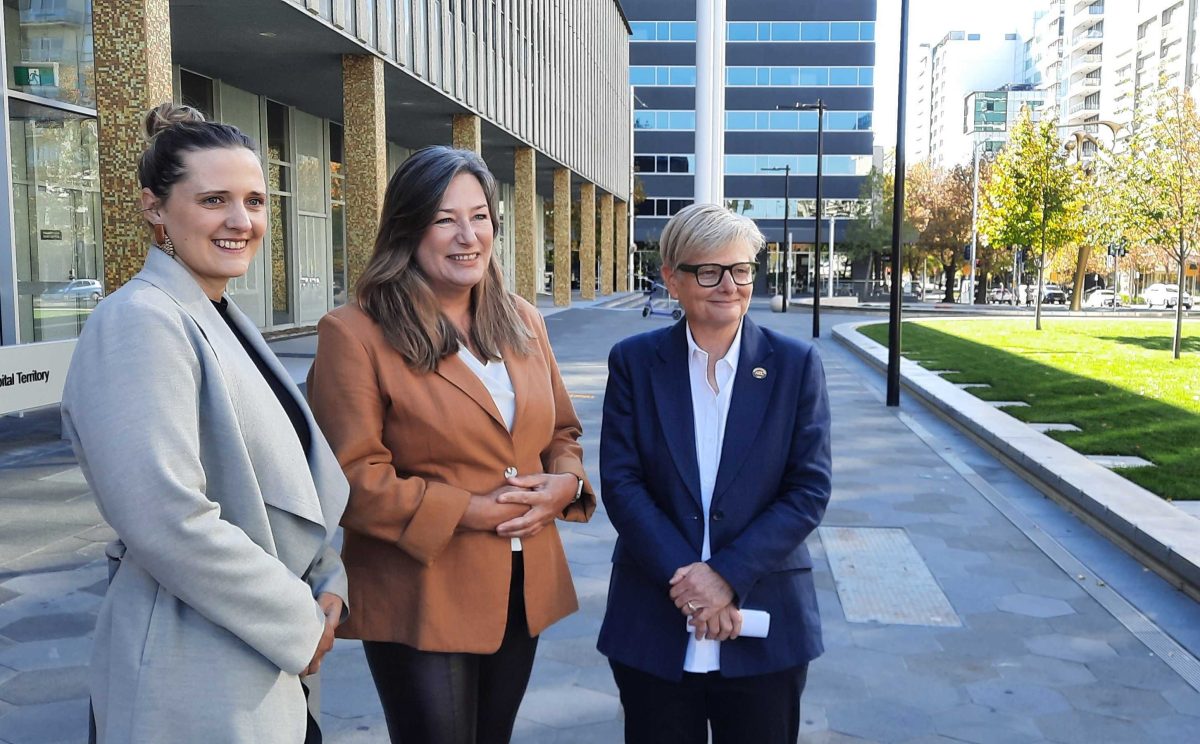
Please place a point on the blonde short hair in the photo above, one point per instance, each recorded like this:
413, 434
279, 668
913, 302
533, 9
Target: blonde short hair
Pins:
700, 229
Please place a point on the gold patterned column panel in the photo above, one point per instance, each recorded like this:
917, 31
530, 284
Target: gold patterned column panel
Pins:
468, 133
587, 241
562, 237
526, 216
366, 157
606, 244
622, 246
132, 41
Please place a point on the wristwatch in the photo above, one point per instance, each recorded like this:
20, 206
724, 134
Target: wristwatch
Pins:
578, 490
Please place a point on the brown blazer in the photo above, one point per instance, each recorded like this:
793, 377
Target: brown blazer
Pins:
414, 446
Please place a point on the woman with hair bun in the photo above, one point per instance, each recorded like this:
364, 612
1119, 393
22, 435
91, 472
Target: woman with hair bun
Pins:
205, 460
440, 394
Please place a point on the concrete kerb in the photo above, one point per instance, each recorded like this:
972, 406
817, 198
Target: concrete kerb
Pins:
1155, 531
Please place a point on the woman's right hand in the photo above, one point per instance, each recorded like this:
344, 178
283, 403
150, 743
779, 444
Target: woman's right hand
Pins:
484, 513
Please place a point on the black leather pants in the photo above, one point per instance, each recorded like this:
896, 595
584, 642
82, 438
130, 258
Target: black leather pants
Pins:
456, 698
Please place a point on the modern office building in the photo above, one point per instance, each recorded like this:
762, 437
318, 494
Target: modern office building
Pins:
776, 55
337, 93
945, 73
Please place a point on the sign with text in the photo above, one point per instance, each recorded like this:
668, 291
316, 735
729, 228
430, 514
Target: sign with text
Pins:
32, 375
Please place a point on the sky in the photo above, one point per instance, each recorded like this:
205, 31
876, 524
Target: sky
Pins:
929, 21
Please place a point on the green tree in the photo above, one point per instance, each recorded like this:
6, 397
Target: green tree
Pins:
870, 236
1034, 197
1161, 171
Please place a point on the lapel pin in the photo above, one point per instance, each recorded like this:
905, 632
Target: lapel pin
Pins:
759, 373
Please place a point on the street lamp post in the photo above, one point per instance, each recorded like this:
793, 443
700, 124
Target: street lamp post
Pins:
894, 316
787, 240
820, 108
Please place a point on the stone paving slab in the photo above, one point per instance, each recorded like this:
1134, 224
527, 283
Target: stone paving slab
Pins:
1036, 658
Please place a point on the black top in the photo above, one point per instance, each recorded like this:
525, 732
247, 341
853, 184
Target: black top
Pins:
290, 407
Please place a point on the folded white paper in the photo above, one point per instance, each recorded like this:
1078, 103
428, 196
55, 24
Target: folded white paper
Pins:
755, 624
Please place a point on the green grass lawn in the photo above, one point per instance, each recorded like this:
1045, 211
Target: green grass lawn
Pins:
1115, 380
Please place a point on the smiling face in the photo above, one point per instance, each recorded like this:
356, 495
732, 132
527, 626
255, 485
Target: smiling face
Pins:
456, 249
718, 308
215, 215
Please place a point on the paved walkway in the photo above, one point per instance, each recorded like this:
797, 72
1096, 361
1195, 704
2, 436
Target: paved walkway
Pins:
979, 634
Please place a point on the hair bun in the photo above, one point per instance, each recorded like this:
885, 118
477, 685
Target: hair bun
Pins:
166, 115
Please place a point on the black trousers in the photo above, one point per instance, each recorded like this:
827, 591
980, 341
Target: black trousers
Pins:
456, 698
762, 709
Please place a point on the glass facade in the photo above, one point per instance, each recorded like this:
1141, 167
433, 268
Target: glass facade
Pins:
796, 121
801, 31
800, 77
56, 219
676, 164
48, 44
802, 165
662, 77
679, 121
663, 30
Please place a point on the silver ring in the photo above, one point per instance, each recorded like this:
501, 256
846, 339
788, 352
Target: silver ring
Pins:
692, 606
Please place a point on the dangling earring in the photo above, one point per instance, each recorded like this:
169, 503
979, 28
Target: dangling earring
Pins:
163, 241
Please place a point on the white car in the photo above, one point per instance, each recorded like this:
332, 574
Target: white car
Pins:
1166, 295
1100, 298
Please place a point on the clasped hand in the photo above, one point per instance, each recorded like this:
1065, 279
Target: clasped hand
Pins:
703, 595
331, 606
523, 506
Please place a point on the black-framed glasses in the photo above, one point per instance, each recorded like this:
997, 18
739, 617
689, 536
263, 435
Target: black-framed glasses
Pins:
711, 274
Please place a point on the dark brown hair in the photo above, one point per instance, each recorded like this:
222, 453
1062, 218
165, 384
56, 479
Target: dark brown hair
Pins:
172, 130
395, 292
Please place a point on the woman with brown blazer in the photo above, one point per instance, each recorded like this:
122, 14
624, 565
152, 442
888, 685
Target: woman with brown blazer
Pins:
441, 397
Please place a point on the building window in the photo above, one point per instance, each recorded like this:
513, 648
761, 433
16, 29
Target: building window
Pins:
663, 77
337, 200
803, 77
669, 164
50, 51
197, 91
663, 30
793, 31
56, 220
681, 121
280, 190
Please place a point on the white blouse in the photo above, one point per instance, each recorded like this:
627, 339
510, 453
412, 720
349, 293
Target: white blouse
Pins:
494, 376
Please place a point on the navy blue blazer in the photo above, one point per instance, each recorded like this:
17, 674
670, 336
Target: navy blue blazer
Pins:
772, 486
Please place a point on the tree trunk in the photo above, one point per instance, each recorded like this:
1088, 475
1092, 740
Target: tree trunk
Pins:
948, 272
1178, 345
981, 283
1085, 252
1037, 313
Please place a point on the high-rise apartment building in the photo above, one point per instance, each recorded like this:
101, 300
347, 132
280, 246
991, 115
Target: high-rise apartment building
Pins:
1159, 52
776, 54
945, 74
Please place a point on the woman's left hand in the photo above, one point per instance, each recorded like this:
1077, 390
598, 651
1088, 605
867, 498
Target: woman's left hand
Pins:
331, 606
548, 495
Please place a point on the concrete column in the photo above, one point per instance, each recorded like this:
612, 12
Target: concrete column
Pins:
366, 157
622, 247
710, 102
587, 241
562, 237
468, 133
132, 41
606, 244
525, 214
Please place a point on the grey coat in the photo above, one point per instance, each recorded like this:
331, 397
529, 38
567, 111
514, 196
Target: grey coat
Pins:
224, 522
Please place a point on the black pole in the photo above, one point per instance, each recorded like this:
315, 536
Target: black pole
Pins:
893, 375
787, 244
816, 329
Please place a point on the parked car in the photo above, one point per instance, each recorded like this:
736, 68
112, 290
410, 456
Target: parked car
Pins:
76, 289
1100, 298
1166, 295
1051, 293
1002, 296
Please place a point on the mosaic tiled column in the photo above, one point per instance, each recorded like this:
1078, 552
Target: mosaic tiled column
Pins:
525, 214
468, 133
133, 74
622, 246
366, 157
606, 244
587, 241
562, 237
